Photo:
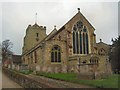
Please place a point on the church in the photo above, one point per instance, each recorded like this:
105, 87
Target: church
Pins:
72, 48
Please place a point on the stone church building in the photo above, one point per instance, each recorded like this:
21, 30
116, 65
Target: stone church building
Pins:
72, 48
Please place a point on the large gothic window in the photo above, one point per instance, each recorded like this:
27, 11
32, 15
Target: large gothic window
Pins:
56, 54
80, 39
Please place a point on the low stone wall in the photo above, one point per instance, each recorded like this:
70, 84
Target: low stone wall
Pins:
23, 80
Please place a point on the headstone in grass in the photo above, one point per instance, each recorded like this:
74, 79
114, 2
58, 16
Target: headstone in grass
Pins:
37, 68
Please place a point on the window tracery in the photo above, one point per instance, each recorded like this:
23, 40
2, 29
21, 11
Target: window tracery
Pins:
80, 39
56, 54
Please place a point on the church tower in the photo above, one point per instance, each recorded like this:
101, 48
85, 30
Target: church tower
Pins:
34, 34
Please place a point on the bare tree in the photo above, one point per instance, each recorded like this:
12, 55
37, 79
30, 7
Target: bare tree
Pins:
6, 49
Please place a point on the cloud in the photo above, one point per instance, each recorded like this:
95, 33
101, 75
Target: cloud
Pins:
0, 22
17, 16
119, 18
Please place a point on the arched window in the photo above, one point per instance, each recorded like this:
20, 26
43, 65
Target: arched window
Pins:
87, 45
73, 41
83, 43
80, 39
81, 46
56, 54
77, 43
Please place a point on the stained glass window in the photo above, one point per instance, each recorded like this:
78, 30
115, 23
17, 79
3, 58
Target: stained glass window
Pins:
79, 24
87, 45
77, 43
56, 54
81, 43
73, 42
52, 56
80, 39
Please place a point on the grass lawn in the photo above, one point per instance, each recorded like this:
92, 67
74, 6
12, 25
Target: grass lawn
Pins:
26, 72
109, 82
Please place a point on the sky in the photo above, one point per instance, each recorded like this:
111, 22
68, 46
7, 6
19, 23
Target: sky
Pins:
16, 16
119, 18
0, 37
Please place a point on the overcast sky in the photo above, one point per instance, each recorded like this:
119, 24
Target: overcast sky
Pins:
17, 16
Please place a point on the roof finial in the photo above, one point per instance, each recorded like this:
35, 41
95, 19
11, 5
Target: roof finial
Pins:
54, 26
35, 18
100, 40
78, 9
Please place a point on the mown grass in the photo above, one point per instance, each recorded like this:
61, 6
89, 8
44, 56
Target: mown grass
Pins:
26, 72
109, 82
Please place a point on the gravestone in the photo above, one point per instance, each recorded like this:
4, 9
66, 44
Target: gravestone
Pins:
37, 68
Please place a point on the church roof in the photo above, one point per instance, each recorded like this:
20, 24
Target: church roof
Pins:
52, 33
78, 14
63, 27
16, 58
101, 43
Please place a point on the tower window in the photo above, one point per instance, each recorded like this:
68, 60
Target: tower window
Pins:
37, 34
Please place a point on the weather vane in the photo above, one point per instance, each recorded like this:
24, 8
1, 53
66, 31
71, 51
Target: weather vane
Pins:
36, 18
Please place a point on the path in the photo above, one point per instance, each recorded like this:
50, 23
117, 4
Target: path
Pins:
8, 83
0, 77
